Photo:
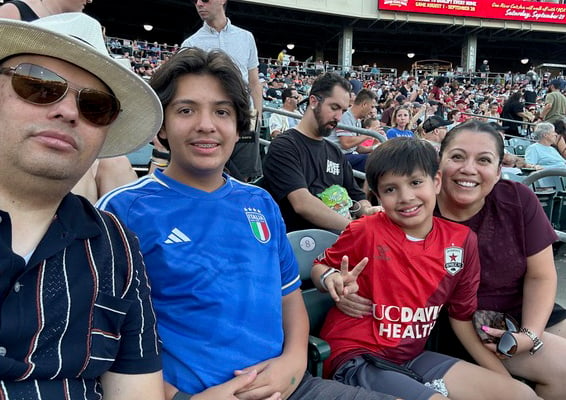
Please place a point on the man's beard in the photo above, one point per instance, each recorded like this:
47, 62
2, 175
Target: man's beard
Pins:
324, 129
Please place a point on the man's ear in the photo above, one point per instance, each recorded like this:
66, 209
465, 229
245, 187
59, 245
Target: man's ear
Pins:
313, 101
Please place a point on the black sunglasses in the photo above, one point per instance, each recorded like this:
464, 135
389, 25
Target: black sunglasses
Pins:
202, 1
38, 85
507, 344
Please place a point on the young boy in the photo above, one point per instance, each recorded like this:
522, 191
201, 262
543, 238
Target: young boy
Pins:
416, 264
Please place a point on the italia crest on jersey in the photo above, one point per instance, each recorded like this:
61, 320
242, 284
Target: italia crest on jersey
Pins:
258, 223
453, 259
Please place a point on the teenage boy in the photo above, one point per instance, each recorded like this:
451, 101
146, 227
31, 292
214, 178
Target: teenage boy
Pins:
224, 279
416, 264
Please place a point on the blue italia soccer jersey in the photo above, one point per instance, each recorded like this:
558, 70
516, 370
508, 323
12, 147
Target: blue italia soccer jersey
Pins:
219, 264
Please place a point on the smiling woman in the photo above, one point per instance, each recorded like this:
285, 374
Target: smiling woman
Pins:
515, 239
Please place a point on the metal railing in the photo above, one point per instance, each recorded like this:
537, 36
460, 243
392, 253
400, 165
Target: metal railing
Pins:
349, 128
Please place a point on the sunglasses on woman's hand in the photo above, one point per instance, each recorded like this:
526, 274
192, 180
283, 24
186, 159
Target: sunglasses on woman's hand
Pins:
507, 344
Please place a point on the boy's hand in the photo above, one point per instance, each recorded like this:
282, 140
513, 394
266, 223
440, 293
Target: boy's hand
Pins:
355, 305
345, 282
224, 391
279, 375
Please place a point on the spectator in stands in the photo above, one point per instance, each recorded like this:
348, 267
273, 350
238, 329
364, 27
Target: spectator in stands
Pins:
514, 109
78, 321
463, 107
545, 154
386, 117
212, 343
280, 123
408, 277
30, 10
401, 123
530, 98
319, 67
434, 130
560, 128
372, 124
409, 90
357, 85
423, 112
511, 163
492, 114
484, 71
554, 103
281, 57
422, 91
308, 176
515, 239
274, 90
374, 71
350, 142
155, 50
453, 116
219, 32
437, 94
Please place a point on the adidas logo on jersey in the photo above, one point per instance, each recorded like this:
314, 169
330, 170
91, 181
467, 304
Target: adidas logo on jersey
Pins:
176, 236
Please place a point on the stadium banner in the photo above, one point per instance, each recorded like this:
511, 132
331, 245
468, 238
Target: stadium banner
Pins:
516, 10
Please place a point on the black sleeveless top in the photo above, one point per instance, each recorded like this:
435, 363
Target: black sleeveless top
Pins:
26, 13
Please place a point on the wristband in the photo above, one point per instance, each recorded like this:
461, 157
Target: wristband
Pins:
182, 396
325, 275
160, 154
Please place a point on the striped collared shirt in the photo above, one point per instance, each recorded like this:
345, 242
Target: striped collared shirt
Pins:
79, 308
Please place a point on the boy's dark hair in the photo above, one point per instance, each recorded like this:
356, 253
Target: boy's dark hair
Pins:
323, 86
199, 62
400, 156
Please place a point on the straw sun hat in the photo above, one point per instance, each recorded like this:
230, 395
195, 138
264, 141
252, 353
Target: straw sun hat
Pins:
77, 39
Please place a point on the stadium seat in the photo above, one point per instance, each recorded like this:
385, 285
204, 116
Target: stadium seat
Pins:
512, 177
307, 245
520, 149
510, 149
559, 211
519, 141
546, 199
140, 159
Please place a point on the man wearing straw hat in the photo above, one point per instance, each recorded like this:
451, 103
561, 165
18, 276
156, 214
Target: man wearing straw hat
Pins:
76, 321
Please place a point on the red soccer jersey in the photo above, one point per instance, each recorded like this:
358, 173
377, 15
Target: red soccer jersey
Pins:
408, 283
